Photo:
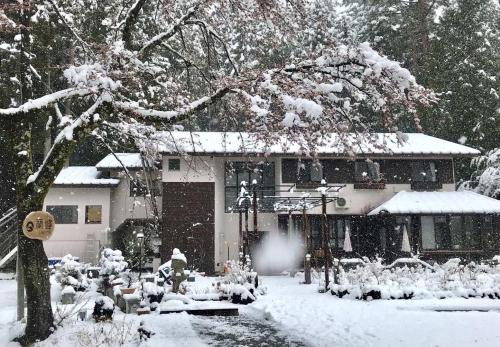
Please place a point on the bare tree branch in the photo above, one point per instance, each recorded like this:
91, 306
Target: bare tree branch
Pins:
129, 22
158, 39
85, 45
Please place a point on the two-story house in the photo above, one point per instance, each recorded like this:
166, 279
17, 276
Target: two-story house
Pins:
376, 194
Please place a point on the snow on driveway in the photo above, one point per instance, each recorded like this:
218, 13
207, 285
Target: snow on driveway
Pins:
293, 314
324, 320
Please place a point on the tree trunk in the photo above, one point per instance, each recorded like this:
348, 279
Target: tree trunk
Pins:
40, 320
36, 275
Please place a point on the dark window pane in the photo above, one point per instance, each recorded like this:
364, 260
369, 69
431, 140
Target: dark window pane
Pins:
316, 172
289, 170
239, 172
443, 237
64, 214
423, 171
268, 175
174, 164
457, 232
315, 223
367, 171
231, 198
338, 171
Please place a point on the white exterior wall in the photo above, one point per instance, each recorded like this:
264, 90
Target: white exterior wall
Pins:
124, 206
82, 240
85, 240
211, 169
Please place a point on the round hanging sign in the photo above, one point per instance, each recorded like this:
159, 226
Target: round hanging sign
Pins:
38, 225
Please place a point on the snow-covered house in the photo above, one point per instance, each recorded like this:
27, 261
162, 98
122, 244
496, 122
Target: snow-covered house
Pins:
393, 198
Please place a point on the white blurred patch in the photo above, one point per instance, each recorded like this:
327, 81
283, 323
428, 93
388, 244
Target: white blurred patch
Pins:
278, 253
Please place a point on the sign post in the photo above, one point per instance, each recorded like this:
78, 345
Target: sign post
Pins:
38, 225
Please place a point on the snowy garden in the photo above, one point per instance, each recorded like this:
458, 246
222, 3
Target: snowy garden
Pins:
109, 304
338, 111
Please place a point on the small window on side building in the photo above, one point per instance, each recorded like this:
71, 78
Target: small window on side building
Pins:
174, 165
93, 214
63, 214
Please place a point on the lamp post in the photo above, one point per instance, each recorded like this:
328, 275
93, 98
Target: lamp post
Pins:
140, 237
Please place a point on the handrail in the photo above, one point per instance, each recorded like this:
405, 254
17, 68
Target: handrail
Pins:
8, 233
8, 217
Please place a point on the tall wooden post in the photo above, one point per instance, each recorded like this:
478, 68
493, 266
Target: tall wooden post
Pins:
325, 239
307, 255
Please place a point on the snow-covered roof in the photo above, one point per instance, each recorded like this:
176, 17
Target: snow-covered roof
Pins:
83, 176
245, 143
130, 160
463, 202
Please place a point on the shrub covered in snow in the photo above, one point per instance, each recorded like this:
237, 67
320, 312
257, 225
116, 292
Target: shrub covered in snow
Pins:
112, 262
417, 279
240, 283
69, 274
103, 308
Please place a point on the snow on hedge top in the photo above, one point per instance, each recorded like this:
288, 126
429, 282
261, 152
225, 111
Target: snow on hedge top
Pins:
83, 175
241, 143
129, 160
438, 203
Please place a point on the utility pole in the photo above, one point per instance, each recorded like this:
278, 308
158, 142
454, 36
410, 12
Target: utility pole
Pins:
325, 236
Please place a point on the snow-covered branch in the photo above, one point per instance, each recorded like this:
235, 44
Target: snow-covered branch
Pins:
63, 145
177, 115
48, 99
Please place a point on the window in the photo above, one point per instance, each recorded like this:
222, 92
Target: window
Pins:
64, 214
423, 171
452, 232
93, 214
309, 171
301, 171
174, 165
261, 173
336, 226
367, 171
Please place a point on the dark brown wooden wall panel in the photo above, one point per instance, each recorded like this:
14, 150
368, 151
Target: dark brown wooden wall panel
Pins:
188, 222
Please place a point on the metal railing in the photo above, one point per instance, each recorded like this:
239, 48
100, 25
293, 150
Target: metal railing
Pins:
8, 233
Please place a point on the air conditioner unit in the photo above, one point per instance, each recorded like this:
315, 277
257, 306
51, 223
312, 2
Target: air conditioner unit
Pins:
341, 203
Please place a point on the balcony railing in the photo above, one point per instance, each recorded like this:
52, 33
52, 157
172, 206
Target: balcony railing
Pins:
369, 185
426, 186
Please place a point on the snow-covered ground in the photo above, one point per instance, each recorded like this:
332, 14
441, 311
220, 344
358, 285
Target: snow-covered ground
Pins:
299, 312
324, 320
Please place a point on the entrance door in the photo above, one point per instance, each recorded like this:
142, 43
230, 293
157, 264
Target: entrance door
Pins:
188, 223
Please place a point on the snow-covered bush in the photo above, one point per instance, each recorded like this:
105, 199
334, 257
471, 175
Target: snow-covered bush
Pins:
112, 262
69, 273
103, 309
418, 280
152, 294
239, 283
